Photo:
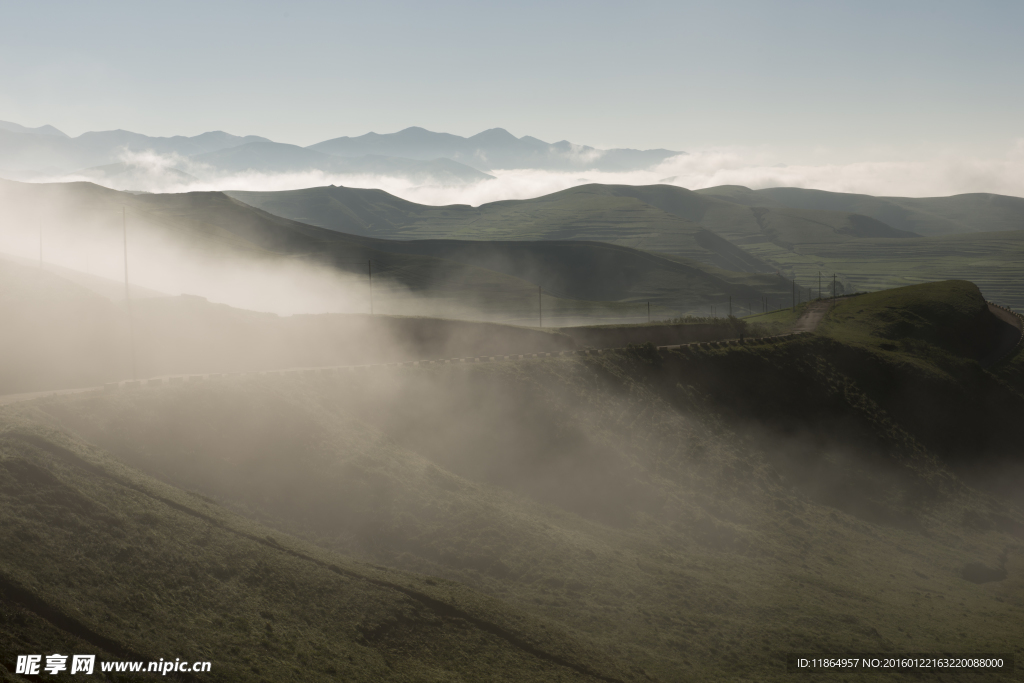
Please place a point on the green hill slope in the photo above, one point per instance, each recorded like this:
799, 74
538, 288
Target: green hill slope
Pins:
951, 316
103, 560
601, 271
658, 218
991, 260
588, 212
930, 216
195, 237
611, 213
696, 514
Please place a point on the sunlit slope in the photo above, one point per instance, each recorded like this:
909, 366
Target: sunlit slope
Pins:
951, 316
692, 514
101, 559
964, 213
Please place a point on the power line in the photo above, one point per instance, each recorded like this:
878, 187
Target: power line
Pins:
127, 296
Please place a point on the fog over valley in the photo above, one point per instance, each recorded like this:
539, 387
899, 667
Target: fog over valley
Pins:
438, 169
545, 342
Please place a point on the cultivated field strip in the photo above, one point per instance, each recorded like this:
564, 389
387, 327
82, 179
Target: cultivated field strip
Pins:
989, 260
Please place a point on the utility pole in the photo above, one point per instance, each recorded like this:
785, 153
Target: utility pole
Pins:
369, 276
127, 296
540, 309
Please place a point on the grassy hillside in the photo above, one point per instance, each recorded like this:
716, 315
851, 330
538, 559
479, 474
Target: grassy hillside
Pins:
101, 559
602, 272
992, 260
869, 241
660, 218
928, 342
179, 241
929, 216
696, 514
588, 212
951, 316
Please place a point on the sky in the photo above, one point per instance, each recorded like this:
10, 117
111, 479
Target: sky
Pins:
903, 97
825, 80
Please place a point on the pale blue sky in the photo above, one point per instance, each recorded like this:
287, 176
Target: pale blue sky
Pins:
851, 78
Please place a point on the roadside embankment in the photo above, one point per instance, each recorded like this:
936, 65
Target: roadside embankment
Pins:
612, 336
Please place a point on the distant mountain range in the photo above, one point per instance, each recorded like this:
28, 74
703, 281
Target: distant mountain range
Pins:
41, 130
495, 149
414, 154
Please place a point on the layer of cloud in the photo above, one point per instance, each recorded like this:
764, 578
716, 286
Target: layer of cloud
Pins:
939, 176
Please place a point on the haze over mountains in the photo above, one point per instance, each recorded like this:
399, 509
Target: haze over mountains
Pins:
48, 149
868, 242
126, 160
495, 149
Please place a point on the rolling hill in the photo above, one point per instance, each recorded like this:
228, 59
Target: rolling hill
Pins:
205, 243
798, 240
637, 516
589, 212
928, 216
654, 218
992, 260
259, 604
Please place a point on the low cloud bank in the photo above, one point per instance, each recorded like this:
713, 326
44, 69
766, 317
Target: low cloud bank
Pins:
939, 176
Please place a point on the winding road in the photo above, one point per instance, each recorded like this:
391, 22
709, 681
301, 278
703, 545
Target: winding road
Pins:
1010, 334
